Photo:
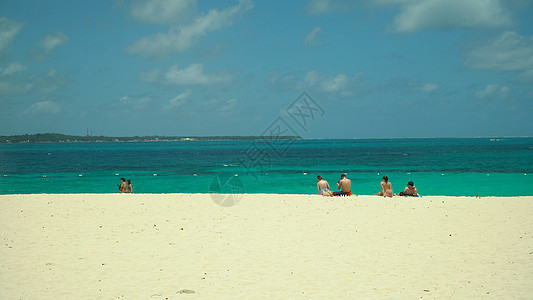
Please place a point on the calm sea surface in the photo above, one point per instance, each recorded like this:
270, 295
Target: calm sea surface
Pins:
453, 167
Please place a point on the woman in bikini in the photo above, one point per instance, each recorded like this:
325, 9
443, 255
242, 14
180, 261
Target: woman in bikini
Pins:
386, 188
321, 185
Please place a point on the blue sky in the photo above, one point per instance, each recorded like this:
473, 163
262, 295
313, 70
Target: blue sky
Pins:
376, 68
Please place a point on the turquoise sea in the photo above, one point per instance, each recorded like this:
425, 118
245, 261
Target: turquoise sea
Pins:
452, 167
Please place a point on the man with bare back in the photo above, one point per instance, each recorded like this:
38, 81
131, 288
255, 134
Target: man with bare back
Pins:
344, 186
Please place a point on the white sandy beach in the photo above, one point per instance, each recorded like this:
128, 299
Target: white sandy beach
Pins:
174, 246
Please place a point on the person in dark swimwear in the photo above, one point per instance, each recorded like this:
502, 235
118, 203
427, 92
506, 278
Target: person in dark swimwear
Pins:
130, 187
410, 190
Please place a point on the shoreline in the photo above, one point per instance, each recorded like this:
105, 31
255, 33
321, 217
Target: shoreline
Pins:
270, 194
158, 246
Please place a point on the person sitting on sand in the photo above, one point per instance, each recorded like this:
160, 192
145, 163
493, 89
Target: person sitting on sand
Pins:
322, 185
410, 190
130, 187
123, 187
386, 188
344, 185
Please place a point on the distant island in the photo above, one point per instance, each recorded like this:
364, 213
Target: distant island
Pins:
63, 138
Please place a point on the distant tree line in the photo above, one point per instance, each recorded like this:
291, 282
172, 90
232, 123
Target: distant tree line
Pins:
63, 138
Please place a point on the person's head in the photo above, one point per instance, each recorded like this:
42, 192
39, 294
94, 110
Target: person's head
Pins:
386, 178
411, 184
122, 179
129, 181
343, 176
318, 177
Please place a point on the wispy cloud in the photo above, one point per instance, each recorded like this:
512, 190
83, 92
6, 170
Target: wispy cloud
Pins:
8, 30
195, 105
51, 42
313, 80
493, 90
510, 51
179, 100
163, 11
418, 15
222, 106
426, 87
194, 75
335, 84
527, 76
136, 103
180, 38
340, 83
317, 7
13, 88
15, 80
150, 76
12, 68
43, 107
312, 38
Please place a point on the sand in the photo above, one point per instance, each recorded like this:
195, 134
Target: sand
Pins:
175, 246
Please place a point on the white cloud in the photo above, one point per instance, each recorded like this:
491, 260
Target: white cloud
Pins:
10, 88
394, 1
527, 76
135, 102
418, 15
311, 78
330, 84
426, 88
8, 30
43, 107
50, 42
508, 52
341, 84
150, 76
222, 106
335, 84
141, 103
316, 7
312, 38
14, 80
492, 90
13, 68
193, 75
229, 105
179, 100
163, 11
180, 38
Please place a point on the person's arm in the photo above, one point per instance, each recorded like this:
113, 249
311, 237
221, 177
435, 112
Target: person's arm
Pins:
415, 193
339, 184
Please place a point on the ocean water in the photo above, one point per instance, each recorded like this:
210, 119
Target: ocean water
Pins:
452, 167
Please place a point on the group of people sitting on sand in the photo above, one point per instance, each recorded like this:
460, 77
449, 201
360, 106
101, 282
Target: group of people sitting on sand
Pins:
125, 187
344, 185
